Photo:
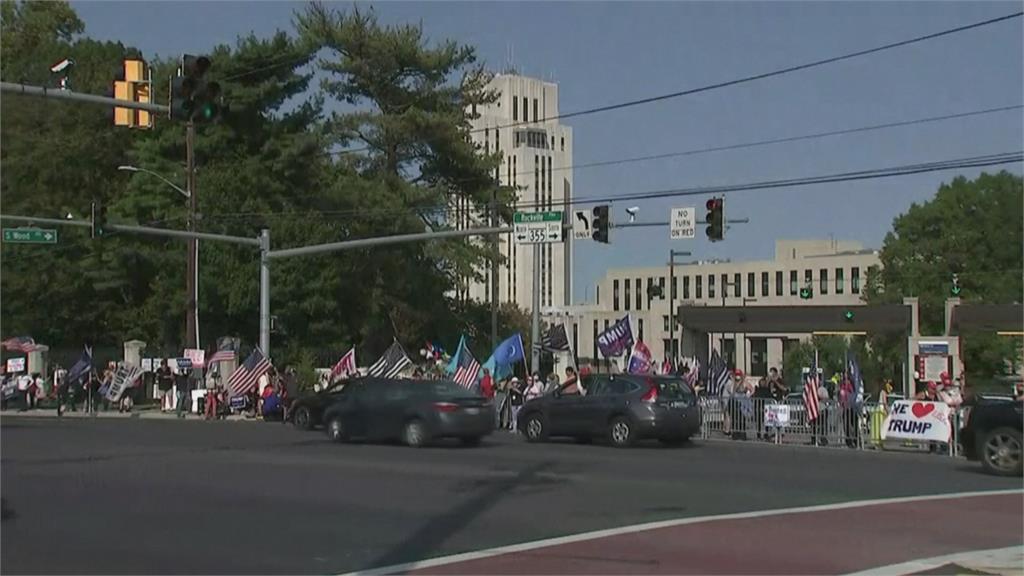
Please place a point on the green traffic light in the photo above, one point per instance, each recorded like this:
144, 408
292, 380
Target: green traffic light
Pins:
955, 290
848, 315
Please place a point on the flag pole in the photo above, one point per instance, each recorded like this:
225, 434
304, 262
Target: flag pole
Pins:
572, 351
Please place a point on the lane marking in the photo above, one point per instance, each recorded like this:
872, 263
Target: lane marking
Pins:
585, 536
996, 560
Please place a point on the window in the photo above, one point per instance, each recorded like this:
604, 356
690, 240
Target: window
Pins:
778, 283
823, 280
793, 288
640, 325
526, 114
855, 280
729, 352
808, 278
750, 285
515, 170
575, 336
536, 116
629, 293
615, 295
594, 342
675, 288
764, 283
515, 113
664, 323
661, 285
725, 285
686, 288
699, 293
639, 294
711, 286
497, 140
737, 285
563, 143
550, 178
758, 356
839, 281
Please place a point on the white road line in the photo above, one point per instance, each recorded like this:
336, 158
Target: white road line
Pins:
996, 561
582, 537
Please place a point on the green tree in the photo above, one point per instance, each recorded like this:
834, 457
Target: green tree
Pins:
971, 228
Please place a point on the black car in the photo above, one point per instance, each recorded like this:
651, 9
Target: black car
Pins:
624, 408
412, 411
992, 433
306, 412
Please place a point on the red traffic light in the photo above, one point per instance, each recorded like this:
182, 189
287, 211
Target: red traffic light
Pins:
714, 203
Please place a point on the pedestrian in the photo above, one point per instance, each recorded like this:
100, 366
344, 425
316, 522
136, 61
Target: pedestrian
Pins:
848, 406
821, 423
762, 395
183, 384
571, 383
24, 383
164, 383
742, 405
487, 385
516, 401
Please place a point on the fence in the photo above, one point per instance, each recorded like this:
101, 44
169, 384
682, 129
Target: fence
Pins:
785, 422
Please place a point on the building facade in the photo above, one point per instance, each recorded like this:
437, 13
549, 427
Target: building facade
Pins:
536, 159
835, 271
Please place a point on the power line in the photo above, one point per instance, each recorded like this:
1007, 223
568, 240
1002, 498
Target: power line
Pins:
869, 174
698, 151
741, 80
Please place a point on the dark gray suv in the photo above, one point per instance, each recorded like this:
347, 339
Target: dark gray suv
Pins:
623, 408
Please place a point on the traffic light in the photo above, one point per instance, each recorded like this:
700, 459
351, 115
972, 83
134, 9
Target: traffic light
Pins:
599, 224
193, 98
848, 315
806, 293
99, 220
715, 219
955, 288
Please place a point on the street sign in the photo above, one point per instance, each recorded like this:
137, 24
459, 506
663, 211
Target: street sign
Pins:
537, 227
30, 236
581, 225
683, 223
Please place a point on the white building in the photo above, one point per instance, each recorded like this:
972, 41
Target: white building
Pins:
835, 270
537, 159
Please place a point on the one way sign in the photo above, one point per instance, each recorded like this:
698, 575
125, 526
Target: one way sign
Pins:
581, 225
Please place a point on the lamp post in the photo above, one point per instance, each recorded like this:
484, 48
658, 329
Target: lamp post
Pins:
192, 274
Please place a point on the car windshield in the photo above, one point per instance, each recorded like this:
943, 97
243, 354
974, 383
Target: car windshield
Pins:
673, 388
444, 389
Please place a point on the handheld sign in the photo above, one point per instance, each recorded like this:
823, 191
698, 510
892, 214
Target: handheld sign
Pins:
918, 420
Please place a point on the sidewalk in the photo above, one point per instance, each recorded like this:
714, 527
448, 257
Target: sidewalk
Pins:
144, 414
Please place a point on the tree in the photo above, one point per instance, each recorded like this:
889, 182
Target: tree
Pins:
972, 228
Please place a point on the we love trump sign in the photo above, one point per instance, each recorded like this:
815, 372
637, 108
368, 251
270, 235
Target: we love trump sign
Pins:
917, 420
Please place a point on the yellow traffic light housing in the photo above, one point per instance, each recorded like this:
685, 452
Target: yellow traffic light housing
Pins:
137, 86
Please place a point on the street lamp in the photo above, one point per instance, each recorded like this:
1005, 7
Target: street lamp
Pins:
180, 190
192, 278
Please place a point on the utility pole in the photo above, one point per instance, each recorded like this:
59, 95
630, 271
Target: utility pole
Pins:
265, 292
535, 314
494, 271
673, 352
192, 268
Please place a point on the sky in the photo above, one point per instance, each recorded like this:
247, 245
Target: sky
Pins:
610, 52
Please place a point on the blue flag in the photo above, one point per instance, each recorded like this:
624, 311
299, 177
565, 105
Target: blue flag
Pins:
853, 371
80, 368
510, 351
454, 364
617, 339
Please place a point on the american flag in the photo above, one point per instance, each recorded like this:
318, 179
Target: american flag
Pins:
467, 369
811, 392
555, 339
221, 356
691, 376
245, 377
391, 363
346, 367
718, 374
20, 344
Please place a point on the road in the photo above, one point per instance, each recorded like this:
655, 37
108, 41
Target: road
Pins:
131, 496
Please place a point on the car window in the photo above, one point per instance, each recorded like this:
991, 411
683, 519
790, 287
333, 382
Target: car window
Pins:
442, 389
621, 386
673, 389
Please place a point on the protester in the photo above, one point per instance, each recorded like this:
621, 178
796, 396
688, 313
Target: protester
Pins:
164, 383
535, 388
183, 383
487, 385
848, 405
571, 383
515, 393
819, 435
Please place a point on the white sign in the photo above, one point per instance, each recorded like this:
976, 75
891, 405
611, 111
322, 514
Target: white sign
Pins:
147, 365
537, 227
917, 420
125, 377
581, 226
683, 223
15, 365
934, 366
198, 357
776, 415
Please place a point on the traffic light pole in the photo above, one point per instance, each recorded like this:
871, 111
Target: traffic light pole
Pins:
45, 92
192, 268
673, 349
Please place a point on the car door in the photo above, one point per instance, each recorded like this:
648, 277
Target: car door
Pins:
595, 409
386, 412
562, 410
348, 406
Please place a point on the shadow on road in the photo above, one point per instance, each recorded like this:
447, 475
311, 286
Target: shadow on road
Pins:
425, 542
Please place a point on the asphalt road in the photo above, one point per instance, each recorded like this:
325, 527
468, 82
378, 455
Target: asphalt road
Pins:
131, 496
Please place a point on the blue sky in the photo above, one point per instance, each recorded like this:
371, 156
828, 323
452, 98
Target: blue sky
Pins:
603, 53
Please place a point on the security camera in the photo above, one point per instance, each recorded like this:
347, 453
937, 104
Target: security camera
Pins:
62, 65
632, 210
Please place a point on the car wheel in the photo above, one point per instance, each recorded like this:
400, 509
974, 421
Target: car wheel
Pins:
336, 430
1001, 452
302, 419
471, 440
535, 429
415, 434
620, 432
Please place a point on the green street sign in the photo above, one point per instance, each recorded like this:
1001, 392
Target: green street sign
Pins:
532, 217
30, 236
